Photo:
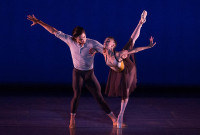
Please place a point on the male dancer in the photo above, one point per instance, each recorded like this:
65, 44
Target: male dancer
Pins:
83, 66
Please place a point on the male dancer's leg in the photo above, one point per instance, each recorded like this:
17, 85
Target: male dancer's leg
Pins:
94, 87
77, 84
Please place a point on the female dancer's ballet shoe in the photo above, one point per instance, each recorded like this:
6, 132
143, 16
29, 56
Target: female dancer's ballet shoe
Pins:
122, 125
72, 121
143, 17
119, 125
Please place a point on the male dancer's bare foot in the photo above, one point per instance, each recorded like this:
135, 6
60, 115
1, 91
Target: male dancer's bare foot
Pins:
143, 17
113, 118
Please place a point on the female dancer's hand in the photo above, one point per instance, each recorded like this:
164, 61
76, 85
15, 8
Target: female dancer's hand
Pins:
123, 54
33, 19
151, 42
92, 51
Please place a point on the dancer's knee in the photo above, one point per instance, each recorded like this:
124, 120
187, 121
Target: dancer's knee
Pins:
124, 99
77, 94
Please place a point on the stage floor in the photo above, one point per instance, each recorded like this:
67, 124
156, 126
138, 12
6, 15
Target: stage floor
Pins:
49, 115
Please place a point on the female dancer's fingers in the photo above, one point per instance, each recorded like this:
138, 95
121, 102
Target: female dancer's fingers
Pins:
150, 38
34, 16
29, 16
30, 19
153, 44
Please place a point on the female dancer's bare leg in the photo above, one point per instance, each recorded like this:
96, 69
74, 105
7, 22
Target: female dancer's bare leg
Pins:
130, 45
136, 32
121, 114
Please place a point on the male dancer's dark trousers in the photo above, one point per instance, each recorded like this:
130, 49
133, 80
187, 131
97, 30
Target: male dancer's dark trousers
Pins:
89, 79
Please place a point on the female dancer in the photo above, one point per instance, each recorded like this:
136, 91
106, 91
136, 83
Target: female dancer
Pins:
122, 76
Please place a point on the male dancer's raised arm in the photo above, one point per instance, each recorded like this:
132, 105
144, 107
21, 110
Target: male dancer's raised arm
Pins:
64, 37
35, 21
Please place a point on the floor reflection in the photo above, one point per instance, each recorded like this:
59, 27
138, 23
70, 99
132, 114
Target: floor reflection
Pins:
96, 131
72, 131
117, 131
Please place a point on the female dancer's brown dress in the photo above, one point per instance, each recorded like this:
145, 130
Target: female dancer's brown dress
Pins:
119, 82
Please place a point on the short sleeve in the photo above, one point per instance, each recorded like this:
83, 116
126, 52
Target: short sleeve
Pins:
64, 37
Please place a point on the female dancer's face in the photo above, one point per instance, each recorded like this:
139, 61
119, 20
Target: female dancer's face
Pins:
109, 43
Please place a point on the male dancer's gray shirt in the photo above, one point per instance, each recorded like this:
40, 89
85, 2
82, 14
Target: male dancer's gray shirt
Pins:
82, 60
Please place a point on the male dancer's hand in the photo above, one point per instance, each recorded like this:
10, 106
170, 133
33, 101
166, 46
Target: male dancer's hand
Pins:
33, 19
92, 51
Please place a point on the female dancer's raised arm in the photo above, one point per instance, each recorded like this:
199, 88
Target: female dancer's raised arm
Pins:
123, 54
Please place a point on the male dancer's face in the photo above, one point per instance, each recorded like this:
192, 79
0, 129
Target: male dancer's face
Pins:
81, 39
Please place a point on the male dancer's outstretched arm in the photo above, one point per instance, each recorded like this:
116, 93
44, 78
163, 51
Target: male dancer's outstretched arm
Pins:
49, 28
35, 21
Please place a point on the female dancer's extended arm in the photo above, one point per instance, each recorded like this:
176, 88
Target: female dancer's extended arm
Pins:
35, 21
124, 53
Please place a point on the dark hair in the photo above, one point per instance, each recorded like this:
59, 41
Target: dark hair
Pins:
114, 40
77, 31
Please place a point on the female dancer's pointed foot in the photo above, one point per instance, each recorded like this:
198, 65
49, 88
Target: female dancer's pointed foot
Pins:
72, 121
143, 17
120, 123
115, 124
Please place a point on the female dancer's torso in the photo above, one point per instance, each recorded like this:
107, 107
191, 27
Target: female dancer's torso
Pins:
112, 61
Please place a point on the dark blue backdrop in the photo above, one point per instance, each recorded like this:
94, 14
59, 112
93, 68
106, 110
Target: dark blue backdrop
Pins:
32, 55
